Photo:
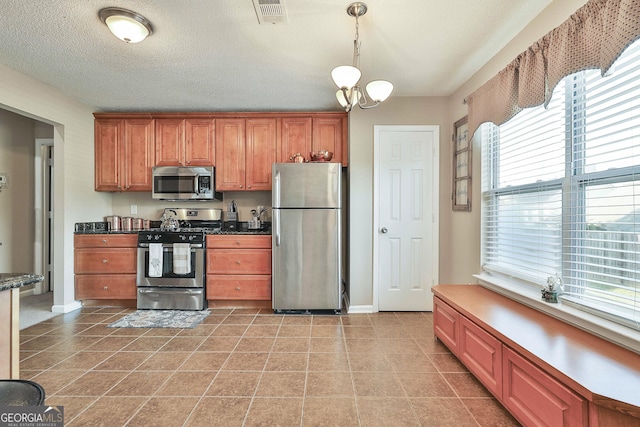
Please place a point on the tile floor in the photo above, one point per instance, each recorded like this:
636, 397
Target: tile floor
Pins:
253, 368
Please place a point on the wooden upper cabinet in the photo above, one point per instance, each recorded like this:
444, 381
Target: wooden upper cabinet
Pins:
330, 133
185, 142
200, 147
169, 142
230, 152
295, 137
138, 154
108, 141
260, 153
124, 154
245, 149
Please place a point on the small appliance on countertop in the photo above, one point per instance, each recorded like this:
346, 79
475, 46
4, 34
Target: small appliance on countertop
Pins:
231, 217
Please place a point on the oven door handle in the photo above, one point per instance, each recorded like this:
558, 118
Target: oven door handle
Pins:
172, 291
169, 245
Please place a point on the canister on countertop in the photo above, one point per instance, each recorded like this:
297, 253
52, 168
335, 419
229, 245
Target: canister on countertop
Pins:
138, 224
113, 222
126, 223
146, 224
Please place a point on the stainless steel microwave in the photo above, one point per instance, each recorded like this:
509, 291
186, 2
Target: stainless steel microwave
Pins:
184, 183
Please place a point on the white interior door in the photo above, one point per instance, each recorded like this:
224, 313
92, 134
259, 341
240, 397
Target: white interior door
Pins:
406, 246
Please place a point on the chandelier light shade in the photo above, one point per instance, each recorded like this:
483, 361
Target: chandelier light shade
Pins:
347, 77
126, 25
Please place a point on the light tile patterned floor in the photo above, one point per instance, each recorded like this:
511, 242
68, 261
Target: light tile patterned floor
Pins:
253, 368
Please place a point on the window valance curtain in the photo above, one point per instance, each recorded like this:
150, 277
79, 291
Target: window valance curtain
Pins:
592, 38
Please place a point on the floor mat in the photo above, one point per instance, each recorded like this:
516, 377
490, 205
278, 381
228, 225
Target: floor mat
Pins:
161, 319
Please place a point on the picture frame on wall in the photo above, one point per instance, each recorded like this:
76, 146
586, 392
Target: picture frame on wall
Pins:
461, 189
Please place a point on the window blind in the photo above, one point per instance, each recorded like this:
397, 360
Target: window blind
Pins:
561, 191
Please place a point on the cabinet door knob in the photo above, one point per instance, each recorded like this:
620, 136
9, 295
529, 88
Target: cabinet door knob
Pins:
104, 241
106, 288
237, 288
104, 261
248, 186
238, 262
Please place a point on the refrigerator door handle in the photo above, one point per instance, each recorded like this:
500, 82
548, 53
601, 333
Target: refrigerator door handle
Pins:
276, 188
276, 221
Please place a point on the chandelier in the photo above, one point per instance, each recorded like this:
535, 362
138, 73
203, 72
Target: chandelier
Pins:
347, 77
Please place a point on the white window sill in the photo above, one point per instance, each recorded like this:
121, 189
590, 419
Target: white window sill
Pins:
610, 331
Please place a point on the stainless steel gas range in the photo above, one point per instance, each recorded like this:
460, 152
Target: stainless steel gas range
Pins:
171, 262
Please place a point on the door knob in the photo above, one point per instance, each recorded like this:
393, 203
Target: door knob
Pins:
383, 230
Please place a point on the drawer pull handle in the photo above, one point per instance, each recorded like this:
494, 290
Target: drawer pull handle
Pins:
104, 261
238, 262
106, 288
237, 288
104, 240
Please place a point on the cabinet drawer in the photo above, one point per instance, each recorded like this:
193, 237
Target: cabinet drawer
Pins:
446, 324
535, 398
107, 286
239, 261
107, 260
240, 287
105, 240
482, 354
229, 241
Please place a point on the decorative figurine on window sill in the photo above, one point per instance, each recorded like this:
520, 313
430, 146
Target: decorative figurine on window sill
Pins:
553, 289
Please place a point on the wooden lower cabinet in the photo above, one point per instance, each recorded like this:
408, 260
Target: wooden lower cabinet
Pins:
535, 398
105, 266
239, 267
105, 286
531, 395
446, 324
482, 353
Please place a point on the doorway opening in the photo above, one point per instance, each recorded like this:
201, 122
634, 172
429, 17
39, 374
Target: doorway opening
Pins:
43, 203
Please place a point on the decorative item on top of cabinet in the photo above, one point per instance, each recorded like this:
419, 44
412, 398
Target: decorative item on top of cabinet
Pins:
239, 267
245, 149
105, 266
185, 142
315, 132
124, 154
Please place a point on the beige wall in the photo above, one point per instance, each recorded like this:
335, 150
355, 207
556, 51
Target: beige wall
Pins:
16, 200
459, 231
74, 198
395, 111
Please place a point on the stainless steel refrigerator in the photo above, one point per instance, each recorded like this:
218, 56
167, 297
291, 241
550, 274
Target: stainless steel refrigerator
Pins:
306, 232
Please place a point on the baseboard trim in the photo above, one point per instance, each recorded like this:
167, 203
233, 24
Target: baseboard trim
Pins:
66, 308
357, 309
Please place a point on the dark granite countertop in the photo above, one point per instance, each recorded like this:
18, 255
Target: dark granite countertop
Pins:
17, 280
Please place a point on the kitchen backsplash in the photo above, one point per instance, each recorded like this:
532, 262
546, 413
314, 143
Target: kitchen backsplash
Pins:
149, 208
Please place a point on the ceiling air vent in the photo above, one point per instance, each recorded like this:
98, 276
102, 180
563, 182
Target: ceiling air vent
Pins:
270, 11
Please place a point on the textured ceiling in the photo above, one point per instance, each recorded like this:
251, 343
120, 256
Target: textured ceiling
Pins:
213, 55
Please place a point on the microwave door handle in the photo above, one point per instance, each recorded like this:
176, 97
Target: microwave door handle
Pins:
195, 184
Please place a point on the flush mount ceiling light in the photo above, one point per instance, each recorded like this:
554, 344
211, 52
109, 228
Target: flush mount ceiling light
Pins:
346, 77
125, 24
